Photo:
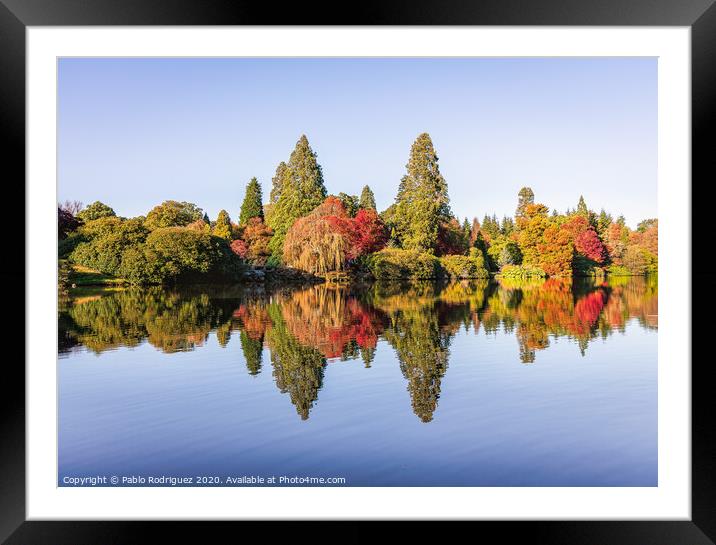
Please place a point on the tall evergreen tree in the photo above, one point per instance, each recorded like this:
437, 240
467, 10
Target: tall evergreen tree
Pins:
524, 197
206, 219
466, 228
367, 199
508, 225
582, 209
422, 200
252, 206
301, 189
222, 227
276, 182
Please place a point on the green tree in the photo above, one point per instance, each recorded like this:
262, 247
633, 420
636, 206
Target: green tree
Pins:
276, 182
603, 222
252, 206
422, 200
173, 214
367, 199
222, 227
350, 203
582, 209
95, 211
642, 226
524, 197
301, 190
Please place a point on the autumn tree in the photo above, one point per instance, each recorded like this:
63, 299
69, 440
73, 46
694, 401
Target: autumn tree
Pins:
371, 234
257, 235
525, 197
301, 190
95, 211
172, 214
367, 199
222, 227
422, 202
252, 206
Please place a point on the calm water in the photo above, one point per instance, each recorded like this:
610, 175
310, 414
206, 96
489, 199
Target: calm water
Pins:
470, 384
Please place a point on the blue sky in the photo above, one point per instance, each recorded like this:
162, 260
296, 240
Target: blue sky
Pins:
135, 132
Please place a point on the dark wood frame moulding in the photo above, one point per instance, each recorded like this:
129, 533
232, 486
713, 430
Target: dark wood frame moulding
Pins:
17, 15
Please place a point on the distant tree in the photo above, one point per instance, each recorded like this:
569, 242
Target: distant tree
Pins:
66, 222
252, 206
643, 225
240, 248
172, 214
95, 211
350, 203
301, 190
466, 229
277, 182
451, 239
73, 207
508, 226
206, 219
525, 197
367, 199
582, 209
490, 227
222, 227
603, 222
257, 235
422, 203
474, 231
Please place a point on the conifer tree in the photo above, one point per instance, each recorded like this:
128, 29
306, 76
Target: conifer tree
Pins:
222, 227
422, 200
276, 183
367, 199
524, 197
301, 189
582, 209
252, 206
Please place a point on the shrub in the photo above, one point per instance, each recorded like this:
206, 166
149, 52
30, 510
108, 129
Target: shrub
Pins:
618, 270
393, 264
462, 266
521, 272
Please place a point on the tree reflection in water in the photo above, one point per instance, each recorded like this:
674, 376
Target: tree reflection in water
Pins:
304, 329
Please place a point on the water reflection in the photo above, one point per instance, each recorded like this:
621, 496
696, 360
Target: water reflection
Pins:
305, 329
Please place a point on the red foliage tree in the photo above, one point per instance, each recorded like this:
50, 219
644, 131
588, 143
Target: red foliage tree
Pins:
370, 232
240, 248
451, 239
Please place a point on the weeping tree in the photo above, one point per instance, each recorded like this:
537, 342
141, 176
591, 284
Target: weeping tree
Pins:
319, 242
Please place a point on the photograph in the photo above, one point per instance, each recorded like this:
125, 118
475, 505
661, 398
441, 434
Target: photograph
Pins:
357, 271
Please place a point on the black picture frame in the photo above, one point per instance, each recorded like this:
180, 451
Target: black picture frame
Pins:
699, 15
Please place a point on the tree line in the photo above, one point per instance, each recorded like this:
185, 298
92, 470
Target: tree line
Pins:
303, 227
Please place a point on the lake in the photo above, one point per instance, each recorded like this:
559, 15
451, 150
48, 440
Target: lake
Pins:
544, 383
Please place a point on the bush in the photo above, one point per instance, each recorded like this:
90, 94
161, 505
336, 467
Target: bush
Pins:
618, 270
521, 272
462, 266
393, 264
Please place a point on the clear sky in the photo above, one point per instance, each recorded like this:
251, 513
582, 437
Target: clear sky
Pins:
135, 132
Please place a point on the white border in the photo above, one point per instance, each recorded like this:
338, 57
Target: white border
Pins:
670, 500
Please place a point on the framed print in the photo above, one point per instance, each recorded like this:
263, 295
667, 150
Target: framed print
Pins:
403, 267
